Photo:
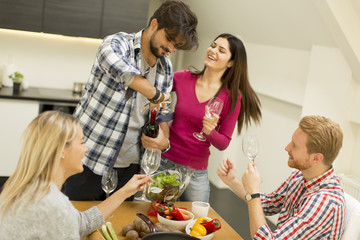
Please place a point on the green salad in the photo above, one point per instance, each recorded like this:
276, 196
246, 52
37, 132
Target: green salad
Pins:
165, 187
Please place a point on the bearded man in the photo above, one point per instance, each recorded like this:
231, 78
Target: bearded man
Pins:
130, 70
310, 203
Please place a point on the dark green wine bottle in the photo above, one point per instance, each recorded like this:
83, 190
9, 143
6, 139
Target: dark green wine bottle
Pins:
151, 128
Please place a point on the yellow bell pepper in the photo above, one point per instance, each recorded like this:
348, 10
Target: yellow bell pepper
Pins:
202, 219
198, 229
195, 234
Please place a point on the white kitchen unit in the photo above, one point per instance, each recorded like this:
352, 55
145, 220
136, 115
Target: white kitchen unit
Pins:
15, 116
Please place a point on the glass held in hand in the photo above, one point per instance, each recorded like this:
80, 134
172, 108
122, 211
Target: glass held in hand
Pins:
109, 181
250, 146
150, 162
214, 106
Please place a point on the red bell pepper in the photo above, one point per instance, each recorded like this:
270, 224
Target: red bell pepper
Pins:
161, 208
152, 211
155, 208
211, 226
174, 211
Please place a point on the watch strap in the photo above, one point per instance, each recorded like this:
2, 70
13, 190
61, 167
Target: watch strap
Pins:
249, 197
166, 149
255, 195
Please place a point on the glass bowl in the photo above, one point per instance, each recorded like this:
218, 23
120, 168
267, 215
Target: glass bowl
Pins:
169, 184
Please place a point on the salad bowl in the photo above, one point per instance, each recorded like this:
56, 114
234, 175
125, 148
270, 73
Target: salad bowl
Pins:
169, 184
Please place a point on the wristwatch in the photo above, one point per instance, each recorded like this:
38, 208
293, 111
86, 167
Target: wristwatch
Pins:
249, 196
166, 149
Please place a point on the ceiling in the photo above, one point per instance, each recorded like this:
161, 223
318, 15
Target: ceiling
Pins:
291, 24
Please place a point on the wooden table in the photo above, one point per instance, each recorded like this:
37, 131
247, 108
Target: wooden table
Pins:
126, 213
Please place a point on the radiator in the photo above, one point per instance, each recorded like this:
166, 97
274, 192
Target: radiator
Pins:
351, 185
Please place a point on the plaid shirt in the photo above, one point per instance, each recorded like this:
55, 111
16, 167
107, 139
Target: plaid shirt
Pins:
106, 107
308, 210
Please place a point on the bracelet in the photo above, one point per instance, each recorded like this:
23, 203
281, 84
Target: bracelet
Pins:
166, 149
159, 100
157, 94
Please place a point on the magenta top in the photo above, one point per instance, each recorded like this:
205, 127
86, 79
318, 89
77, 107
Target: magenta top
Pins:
189, 112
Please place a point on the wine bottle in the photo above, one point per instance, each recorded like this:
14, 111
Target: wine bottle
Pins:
151, 129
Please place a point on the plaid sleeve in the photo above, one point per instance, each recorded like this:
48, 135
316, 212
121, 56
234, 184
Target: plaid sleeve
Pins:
115, 57
320, 217
164, 82
273, 202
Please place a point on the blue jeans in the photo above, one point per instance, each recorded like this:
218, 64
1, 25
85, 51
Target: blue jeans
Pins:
199, 186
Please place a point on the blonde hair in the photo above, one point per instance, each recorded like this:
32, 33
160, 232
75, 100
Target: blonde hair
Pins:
324, 136
44, 142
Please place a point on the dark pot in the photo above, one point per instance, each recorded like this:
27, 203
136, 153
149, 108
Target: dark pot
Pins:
16, 87
168, 236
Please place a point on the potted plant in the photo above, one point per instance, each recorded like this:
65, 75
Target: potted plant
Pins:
17, 79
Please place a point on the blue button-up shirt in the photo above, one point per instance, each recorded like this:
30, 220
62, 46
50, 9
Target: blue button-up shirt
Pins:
107, 104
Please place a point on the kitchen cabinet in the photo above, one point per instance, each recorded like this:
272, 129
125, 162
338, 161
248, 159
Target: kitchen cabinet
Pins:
15, 117
124, 16
21, 14
80, 18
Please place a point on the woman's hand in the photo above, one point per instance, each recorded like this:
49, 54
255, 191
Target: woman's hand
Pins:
135, 184
209, 124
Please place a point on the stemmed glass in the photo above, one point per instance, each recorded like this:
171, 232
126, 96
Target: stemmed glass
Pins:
251, 146
214, 106
150, 162
109, 181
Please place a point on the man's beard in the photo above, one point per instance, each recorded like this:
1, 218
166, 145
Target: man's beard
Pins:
299, 165
154, 50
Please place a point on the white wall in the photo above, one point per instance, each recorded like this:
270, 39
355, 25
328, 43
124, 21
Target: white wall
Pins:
328, 93
48, 60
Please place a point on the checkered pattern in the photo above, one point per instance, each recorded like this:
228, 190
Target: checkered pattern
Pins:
307, 210
106, 107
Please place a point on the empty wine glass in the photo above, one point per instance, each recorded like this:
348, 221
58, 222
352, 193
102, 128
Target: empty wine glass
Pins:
251, 146
214, 106
109, 181
150, 162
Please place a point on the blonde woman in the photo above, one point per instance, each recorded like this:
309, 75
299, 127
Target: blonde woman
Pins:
31, 203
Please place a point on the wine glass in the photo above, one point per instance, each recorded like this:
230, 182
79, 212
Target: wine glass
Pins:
109, 181
214, 106
150, 162
251, 146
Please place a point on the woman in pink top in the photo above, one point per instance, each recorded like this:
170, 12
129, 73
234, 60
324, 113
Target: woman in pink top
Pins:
225, 76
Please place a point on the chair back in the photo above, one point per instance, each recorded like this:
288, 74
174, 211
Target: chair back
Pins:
352, 218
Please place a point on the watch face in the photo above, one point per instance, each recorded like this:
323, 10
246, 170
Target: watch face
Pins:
248, 197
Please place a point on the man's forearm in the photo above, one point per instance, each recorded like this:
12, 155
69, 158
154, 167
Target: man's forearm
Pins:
238, 188
256, 215
143, 86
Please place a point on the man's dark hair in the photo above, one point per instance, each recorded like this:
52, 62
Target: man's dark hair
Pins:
177, 18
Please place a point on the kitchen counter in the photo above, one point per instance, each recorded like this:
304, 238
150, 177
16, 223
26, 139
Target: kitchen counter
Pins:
48, 95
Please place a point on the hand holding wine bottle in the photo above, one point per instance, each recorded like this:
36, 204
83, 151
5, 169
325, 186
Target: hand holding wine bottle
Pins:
151, 159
